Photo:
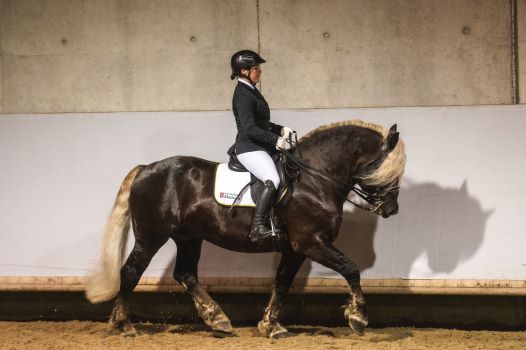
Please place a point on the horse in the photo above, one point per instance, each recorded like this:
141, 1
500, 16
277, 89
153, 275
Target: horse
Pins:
173, 199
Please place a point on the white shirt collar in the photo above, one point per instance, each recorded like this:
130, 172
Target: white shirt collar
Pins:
246, 83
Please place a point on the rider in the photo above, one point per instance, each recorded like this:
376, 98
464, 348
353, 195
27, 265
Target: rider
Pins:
257, 138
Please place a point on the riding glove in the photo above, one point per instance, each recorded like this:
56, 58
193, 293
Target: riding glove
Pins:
282, 144
285, 132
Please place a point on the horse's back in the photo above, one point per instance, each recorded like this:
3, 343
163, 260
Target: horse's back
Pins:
173, 167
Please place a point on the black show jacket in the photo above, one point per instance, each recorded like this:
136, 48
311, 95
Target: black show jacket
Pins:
255, 132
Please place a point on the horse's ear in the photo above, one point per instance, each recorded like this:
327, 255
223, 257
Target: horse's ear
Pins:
392, 130
392, 140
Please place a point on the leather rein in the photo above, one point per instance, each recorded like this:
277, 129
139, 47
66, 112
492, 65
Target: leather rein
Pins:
376, 199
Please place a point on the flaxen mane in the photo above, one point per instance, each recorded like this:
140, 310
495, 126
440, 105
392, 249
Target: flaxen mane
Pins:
390, 169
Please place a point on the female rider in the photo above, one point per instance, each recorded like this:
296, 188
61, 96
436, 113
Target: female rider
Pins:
257, 138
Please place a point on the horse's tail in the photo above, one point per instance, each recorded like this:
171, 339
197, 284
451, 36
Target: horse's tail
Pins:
104, 283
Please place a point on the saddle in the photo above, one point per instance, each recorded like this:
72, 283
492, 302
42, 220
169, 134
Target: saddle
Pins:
256, 185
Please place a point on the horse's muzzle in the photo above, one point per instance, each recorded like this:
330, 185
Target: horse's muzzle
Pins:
389, 210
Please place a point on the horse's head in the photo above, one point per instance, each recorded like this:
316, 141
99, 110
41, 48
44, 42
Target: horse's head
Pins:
379, 173
375, 162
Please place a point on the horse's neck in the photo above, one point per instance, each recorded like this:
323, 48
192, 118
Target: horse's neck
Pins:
328, 156
337, 152
330, 164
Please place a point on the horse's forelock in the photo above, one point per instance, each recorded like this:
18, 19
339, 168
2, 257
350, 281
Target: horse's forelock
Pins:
391, 169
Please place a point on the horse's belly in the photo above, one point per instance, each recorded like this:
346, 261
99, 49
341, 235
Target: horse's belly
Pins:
238, 243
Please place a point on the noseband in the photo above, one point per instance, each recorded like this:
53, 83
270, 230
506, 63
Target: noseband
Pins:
375, 199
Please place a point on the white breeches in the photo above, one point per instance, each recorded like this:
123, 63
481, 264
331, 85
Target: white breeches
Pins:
261, 165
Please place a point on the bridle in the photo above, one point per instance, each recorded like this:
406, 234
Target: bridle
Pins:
375, 199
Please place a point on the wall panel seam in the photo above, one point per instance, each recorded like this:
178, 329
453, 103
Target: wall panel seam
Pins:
259, 39
1, 69
515, 96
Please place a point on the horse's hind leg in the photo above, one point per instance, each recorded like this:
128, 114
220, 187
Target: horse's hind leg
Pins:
131, 272
185, 272
288, 267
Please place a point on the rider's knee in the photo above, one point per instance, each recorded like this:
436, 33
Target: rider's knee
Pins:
275, 181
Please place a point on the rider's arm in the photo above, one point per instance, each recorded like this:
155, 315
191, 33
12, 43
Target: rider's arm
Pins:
276, 128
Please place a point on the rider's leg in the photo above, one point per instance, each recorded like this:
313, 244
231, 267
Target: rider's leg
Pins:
260, 229
261, 165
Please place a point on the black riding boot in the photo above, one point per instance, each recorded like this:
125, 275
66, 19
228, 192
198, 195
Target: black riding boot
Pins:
260, 229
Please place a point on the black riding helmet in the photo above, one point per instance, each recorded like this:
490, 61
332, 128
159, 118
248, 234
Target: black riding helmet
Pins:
244, 59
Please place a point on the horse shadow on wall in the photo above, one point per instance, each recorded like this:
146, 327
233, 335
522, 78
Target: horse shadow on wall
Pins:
436, 229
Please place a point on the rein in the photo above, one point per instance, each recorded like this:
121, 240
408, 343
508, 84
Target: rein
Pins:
374, 199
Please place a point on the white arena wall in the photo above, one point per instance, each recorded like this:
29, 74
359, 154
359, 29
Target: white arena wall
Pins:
460, 228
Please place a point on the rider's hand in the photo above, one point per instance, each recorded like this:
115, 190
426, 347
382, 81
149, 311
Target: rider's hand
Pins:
285, 132
282, 144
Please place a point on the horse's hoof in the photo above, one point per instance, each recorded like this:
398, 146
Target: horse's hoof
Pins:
279, 334
272, 331
129, 334
128, 330
124, 328
223, 327
263, 329
357, 325
219, 334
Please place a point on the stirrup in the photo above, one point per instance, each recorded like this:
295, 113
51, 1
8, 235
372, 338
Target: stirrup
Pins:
275, 223
261, 232
256, 236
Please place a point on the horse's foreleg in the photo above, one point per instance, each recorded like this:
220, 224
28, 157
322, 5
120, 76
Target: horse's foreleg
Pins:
131, 272
269, 326
329, 256
185, 272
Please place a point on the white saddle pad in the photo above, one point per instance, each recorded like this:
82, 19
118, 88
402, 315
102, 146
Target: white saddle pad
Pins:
227, 185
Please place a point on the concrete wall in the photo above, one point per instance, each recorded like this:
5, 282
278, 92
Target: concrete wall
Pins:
386, 53
109, 55
154, 55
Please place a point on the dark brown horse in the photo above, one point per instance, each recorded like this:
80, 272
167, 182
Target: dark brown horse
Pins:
173, 198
